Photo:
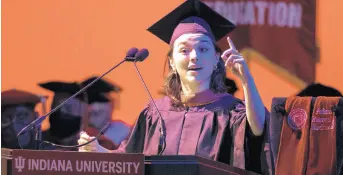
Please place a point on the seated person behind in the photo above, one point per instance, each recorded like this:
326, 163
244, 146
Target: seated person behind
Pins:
317, 89
66, 122
17, 111
100, 110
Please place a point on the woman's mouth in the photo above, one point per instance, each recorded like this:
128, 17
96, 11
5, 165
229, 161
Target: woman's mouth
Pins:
194, 69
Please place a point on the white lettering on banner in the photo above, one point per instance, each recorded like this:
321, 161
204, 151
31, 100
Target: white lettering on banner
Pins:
261, 6
107, 167
52, 165
111, 167
136, 166
19, 163
280, 14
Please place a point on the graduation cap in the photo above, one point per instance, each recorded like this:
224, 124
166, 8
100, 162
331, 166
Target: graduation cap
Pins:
317, 89
96, 92
97, 97
18, 97
101, 86
192, 16
63, 87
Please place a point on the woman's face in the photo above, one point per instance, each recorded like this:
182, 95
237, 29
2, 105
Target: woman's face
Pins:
194, 58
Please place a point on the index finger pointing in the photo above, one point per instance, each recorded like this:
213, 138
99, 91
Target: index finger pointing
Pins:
232, 46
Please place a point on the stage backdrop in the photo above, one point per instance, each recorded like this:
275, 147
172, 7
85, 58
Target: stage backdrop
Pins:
287, 43
280, 35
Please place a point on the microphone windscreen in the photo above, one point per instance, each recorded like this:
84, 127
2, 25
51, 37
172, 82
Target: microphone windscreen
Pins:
132, 52
142, 54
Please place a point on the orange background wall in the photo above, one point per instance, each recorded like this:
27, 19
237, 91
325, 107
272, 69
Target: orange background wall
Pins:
67, 40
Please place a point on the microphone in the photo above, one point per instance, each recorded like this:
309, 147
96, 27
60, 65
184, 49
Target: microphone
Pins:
130, 56
141, 56
102, 131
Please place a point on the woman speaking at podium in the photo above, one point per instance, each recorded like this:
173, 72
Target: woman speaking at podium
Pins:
198, 117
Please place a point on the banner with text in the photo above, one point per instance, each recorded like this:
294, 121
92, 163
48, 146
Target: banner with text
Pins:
30, 162
280, 34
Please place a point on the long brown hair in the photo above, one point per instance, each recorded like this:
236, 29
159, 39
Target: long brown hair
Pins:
172, 83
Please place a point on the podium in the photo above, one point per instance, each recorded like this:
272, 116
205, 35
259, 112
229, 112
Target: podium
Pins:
42, 162
189, 165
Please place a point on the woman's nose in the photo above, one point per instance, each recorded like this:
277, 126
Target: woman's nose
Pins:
193, 55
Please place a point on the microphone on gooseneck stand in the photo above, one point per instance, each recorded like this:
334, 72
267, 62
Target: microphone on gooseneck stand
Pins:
130, 56
141, 56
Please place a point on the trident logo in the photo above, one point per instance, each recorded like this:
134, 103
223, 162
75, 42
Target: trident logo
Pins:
19, 163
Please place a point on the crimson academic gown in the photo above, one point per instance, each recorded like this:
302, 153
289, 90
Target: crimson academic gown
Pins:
218, 131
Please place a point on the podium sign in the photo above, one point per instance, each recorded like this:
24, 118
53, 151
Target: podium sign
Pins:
30, 162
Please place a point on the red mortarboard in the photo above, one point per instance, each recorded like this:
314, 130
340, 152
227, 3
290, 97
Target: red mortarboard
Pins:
192, 16
18, 97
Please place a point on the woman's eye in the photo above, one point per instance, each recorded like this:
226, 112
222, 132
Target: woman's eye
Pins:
203, 49
184, 50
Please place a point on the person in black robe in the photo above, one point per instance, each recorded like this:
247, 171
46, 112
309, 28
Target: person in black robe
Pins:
197, 116
89, 110
17, 111
66, 122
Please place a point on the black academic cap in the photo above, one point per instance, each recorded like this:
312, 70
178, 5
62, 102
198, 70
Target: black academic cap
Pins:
219, 25
97, 97
101, 86
63, 87
317, 89
18, 97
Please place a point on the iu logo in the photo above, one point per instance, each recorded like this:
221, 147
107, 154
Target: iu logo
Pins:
297, 119
19, 163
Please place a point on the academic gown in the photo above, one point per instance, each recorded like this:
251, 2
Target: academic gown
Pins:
217, 131
275, 127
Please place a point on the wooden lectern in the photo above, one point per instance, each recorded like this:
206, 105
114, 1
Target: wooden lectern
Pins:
151, 165
189, 165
